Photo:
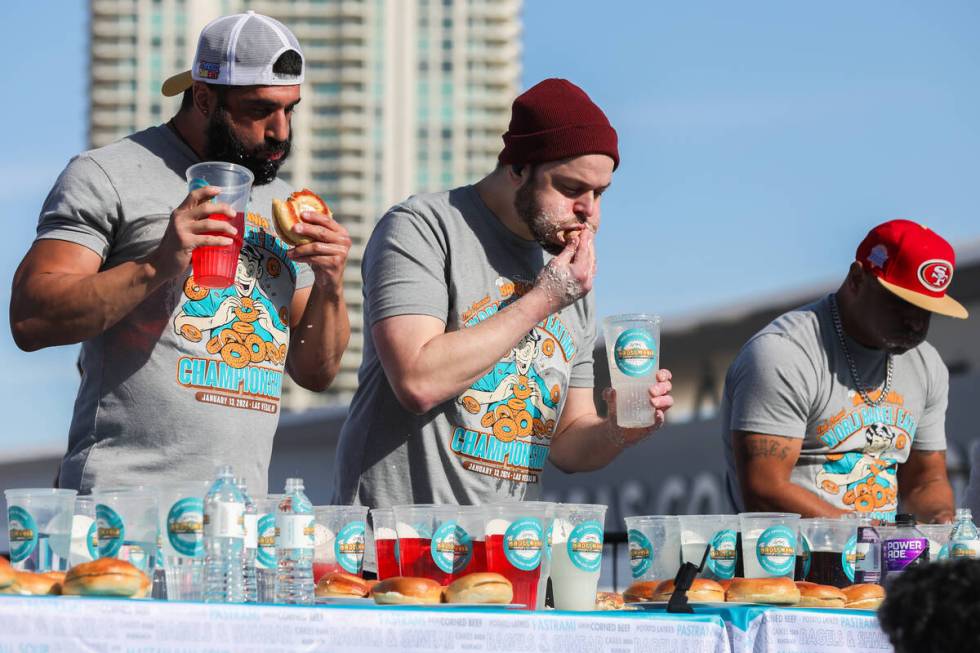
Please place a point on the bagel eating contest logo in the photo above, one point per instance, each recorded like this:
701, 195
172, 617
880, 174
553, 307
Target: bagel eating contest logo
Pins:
234, 340
504, 422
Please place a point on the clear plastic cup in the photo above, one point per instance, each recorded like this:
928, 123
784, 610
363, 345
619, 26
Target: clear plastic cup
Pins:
516, 542
471, 542
427, 540
938, 535
832, 548
84, 532
385, 542
633, 350
182, 538
654, 546
339, 538
576, 555
769, 543
214, 267
128, 525
265, 555
719, 534
39, 525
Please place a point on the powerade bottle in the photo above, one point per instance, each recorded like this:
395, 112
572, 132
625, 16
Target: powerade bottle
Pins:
294, 526
964, 539
224, 540
251, 542
867, 563
906, 547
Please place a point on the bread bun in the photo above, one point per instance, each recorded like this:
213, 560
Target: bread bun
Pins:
402, 590
864, 596
777, 591
7, 575
813, 595
480, 588
287, 214
28, 582
702, 590
342, 584
608, 601
725, 584
106, 577
640, 591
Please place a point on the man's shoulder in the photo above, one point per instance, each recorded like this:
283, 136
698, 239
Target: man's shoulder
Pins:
797, 331
436, 206
149, 142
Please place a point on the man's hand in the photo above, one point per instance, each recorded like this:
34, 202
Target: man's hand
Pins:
660, 399
568, 277
327, 254
226, 310
190, 228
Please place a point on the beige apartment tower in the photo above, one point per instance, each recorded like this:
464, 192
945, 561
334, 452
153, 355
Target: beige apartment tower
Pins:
401, 96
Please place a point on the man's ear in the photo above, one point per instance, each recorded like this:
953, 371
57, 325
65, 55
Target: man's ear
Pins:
203, 98
855, 277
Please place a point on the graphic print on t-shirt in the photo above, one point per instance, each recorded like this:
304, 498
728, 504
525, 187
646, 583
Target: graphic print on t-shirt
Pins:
873, 441
505, 420
242, 331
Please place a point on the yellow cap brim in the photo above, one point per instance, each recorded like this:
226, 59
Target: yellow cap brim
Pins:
945, 305
177, 84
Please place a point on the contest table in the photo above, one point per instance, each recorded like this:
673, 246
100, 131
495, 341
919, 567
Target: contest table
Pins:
132, 626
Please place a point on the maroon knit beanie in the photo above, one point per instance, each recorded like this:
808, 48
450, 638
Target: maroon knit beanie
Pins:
553, 120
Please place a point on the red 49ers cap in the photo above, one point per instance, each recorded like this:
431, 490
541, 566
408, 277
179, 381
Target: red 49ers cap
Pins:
914, 263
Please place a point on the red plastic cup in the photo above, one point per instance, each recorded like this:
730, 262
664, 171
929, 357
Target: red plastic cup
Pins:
215, 267
516, 537
385, 542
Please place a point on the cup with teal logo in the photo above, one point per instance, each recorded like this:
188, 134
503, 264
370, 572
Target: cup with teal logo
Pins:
938, 535
339, 540
182, 538
718, 534
428, 539
39, 526
633, 349
84, 532
654, 546
265, 554
769, 543
128, 524
830, 550
516, 537
576, 555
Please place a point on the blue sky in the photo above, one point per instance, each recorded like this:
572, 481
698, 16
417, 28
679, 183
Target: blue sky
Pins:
759, 142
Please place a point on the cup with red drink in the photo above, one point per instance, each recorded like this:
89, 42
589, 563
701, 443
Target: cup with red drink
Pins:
338, 540
215, 266
427, 535
471, 547
516, 540
385, 542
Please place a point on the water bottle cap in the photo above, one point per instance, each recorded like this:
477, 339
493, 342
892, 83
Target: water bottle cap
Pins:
963, 513
224, 470
905, 519
293, 484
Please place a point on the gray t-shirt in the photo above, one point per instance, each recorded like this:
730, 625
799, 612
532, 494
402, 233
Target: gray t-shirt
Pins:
191, 378
792, 379
447, 255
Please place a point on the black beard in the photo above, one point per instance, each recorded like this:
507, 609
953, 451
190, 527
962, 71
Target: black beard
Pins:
530, 212
221, 144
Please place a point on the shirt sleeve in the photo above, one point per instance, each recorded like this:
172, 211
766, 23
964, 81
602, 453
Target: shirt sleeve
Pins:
583, 366
404, 268
930, 434
770, 386
83, 207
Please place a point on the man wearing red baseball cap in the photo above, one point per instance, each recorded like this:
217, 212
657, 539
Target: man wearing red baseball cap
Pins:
480, 324
839, 406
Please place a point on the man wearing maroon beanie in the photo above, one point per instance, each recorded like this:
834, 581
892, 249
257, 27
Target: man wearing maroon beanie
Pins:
480, 324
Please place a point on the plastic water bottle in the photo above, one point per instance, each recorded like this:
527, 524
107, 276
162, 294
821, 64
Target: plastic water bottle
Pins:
964, 539
295, 528
905, 547
251, 542
224, 540
867, 567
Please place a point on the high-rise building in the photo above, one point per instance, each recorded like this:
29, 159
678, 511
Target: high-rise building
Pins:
400, 97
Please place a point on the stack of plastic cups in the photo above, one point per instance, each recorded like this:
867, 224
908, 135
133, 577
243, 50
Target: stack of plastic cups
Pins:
265, 556
471, 546
339, 540
938, 535
182, 535
385, 542
39, 526
831, 545
516, 542
128, 525
426, 540
576, 555
84, 532
769, 543
716, 533
654, 546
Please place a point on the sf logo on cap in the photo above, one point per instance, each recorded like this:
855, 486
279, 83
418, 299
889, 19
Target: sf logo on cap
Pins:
935, 274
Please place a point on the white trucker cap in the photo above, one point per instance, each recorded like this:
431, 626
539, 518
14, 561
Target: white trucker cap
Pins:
239, 50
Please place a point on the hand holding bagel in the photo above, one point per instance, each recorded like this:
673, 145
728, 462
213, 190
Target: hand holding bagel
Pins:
306, 222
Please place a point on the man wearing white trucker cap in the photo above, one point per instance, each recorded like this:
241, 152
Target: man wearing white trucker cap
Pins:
175, 377
839, 406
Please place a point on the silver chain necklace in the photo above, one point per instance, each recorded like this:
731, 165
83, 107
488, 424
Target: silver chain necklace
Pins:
850, 361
